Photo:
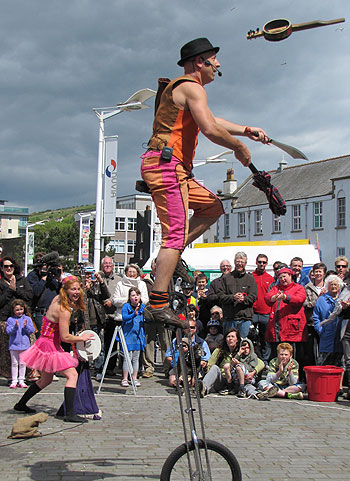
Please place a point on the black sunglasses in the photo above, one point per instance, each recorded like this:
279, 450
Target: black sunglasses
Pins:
339, 266
7, 266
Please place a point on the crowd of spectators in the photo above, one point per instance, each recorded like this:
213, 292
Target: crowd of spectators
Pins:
254, 332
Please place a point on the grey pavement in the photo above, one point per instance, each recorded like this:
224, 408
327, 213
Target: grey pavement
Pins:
272, 440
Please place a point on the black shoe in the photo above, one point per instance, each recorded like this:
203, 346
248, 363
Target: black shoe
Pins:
181, 270
23, 408
164, 315
241, 393
202, 389
74, 418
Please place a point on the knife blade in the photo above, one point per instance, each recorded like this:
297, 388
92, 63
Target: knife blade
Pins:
289, 149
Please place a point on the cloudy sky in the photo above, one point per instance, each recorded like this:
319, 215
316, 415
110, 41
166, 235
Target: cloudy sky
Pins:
60, 58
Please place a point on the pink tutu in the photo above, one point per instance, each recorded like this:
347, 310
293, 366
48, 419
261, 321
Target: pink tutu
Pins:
47, 354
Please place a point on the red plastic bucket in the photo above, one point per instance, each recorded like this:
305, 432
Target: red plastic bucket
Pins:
323, 382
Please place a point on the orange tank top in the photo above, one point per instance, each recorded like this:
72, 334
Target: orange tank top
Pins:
174, 127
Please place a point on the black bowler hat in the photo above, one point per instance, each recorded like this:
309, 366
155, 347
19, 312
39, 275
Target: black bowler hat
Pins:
195, 47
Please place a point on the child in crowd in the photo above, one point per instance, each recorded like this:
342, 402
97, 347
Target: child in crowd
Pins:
241, 370
282, 376
214, 338
19, 327
134, 333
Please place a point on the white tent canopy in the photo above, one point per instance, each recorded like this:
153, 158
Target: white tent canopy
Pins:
209, 258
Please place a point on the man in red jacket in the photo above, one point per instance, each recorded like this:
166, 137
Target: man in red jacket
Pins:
261, 309
287, 322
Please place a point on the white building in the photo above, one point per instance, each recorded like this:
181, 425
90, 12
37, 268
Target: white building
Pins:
316, 195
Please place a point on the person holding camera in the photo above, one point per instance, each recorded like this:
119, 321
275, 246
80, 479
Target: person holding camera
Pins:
46, 282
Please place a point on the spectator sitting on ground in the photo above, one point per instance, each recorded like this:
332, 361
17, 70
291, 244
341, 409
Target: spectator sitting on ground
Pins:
296, 264
215, 380
282, 376
214, 337
240, 372
191, 333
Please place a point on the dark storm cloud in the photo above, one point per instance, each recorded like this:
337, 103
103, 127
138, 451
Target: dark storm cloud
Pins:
60, 59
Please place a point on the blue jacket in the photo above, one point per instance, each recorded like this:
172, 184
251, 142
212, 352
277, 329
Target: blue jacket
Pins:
133, 329
304, 279
195, 340
19, 336
329, 333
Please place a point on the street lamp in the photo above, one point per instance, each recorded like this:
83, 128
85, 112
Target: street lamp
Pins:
135, 102
28, 226
214, 159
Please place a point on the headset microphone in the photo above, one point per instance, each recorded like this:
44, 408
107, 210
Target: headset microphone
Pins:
207, 63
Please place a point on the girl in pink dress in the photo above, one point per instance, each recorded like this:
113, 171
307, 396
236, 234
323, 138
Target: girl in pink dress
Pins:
47, 355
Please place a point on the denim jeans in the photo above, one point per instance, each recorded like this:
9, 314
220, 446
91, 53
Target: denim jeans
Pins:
242, 325
262, 320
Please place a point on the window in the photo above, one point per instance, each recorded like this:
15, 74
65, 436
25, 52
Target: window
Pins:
132, 223
296, 217
318, 220
142, 236
258, 222
119, 266
341, 212
118, 245
340, 251
131, 246
120, 223
227, 225
141, 253
9, 231
241, 223
276, 223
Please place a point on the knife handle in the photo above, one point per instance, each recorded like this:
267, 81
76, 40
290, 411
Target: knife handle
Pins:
255, 133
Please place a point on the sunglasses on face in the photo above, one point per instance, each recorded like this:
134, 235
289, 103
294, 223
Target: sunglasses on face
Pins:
339, 266
8, 266
262, 262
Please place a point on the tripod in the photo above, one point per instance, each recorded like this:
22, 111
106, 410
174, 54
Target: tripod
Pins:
118, 331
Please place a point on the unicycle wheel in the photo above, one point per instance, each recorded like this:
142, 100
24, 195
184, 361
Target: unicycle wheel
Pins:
223, 464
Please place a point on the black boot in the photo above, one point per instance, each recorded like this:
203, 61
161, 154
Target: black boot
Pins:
22, 403
71, 417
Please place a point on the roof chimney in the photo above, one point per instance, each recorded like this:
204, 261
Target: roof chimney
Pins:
282, 164
230, 184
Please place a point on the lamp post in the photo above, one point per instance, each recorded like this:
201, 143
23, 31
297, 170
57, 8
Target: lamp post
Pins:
28, 226
135, 102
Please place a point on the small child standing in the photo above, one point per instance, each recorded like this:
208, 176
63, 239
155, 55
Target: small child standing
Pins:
134, 333
19, 327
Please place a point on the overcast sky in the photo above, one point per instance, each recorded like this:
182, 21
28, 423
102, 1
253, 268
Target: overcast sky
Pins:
60, 58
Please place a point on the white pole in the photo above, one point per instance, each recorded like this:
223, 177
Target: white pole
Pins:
97, 243
26, 254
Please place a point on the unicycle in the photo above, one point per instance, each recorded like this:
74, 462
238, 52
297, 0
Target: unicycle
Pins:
198, 458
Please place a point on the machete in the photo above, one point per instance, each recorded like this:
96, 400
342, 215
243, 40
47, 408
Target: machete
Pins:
292, 151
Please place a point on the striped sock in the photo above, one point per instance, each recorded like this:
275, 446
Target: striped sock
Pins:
158, 299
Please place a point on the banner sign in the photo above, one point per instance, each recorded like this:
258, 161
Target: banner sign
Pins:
109, 186
84, 238
30, 247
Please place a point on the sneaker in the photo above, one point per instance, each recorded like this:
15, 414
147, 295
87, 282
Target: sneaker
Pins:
164, 315
295, 395
241, 393
147, 374
224, 392
181, 270
202, 389
22, 384
263, 395
98, 376
13, 385
272, 391
125, 383
137, 383
55, 378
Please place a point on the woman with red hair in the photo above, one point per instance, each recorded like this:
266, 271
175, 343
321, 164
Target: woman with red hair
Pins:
47, 355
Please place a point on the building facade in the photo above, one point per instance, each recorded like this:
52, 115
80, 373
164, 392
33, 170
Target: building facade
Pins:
317, 199
13, 221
